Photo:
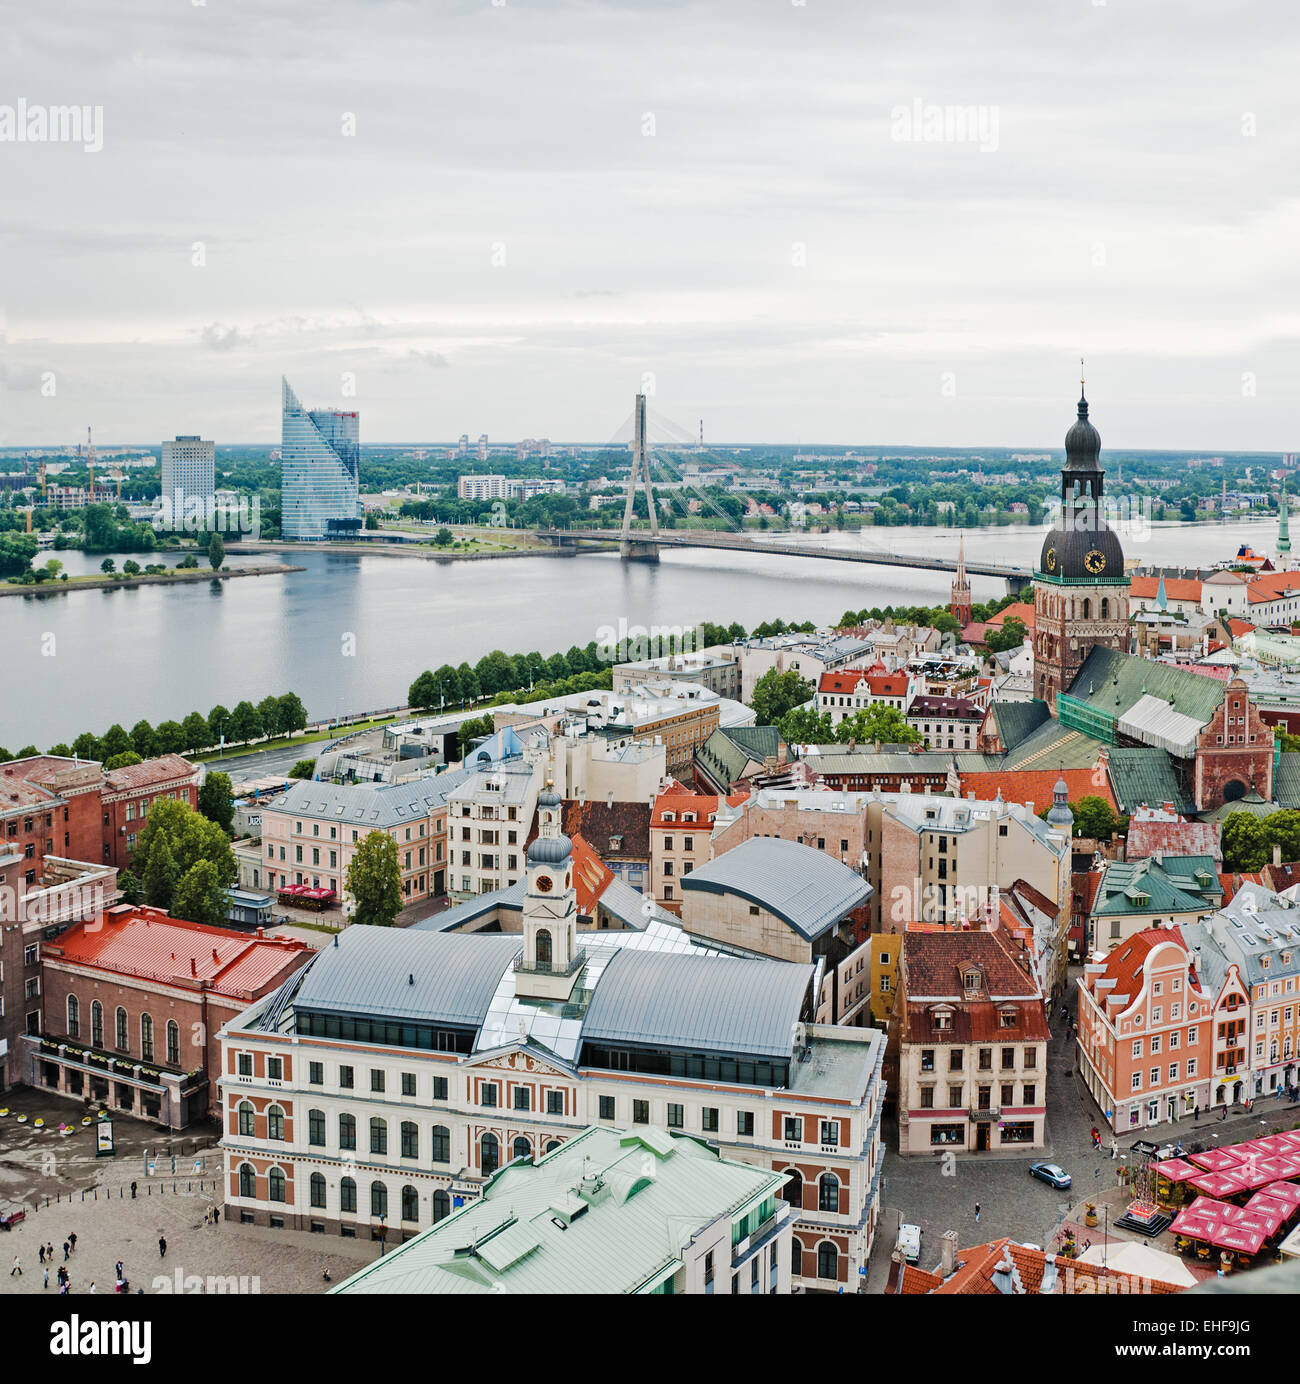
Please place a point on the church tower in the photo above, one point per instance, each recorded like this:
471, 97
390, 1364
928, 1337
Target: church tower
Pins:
960, 604
552, 959
1080, 591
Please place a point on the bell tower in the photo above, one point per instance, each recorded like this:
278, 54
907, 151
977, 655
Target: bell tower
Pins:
552, 959
960, 604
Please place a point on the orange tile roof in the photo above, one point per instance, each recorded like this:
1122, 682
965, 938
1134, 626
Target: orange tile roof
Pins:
1176, 588
1239, 627
1018, 610
1124, 964
149, 943
1036, 785
167, 766
1268, 586
677, 798
1025, 1270
878, 684
591, 877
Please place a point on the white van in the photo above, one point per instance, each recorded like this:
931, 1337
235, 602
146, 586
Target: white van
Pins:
909, 1241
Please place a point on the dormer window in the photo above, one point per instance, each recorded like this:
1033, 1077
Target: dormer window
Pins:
1007, 1018
941, 1018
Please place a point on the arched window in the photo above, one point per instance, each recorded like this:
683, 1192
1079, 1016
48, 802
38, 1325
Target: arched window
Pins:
173, 1043
1104, 610
378, 1136
378, 1199
828, 1260
489, 1154
347, 1131
1087, 608
96, 1024
275, 1123
410, 1139
247, 1180
793, 1190
275, 1185
348, 1195
74, 1017
441, 1205
828, 1192
796, 1255
123, 1044
318, 1190
316, 1127
441, 1139
146, 1037
543, 947
553, 1144
521, 1148
246, 1125
410, 1204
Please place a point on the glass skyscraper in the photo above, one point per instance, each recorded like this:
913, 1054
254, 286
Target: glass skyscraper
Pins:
320, 470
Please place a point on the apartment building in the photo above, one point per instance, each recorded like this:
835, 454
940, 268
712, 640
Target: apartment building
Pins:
381, 1089
843, 694
681, 826
970, 1034
945, 723
489, 818
1156, 891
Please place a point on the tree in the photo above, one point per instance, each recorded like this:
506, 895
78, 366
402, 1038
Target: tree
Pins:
86, 746
218, 723
216, 551
121, 761
268, 711
423, 692
443, 537
1094, 817
447, 685
245, 723
132, 889
292, 713
803, 726
160, 876
217, 801
469, 688
473, 728
1245, 842
108, 566
170, 737
116, 741
16, 553
304, 769
1283, 829
143, 740
375, 880
877, 722
200, 896
196, 731
1010, 636
776, 693
174, 829
131, 567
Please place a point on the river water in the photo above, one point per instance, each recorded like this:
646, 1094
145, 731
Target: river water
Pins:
351, 633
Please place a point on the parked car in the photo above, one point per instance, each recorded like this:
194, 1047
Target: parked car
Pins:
909, 1241
1052, 1174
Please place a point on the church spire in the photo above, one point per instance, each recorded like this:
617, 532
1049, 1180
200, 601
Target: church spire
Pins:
960, 605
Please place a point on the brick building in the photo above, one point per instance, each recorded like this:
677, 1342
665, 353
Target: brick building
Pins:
133, 1006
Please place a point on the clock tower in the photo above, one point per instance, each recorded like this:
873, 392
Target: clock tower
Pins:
552, 959
1080, 590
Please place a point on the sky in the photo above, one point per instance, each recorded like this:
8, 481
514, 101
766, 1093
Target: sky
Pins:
827, 222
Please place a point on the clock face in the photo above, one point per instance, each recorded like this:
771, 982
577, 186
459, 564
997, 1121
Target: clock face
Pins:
1049, 561
544, 883
1095, 562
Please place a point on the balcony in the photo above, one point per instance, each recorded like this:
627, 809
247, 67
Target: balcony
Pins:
985, 1114
552, 968
760, 1235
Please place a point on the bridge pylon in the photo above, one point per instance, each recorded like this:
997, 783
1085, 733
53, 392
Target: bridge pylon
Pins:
633, 546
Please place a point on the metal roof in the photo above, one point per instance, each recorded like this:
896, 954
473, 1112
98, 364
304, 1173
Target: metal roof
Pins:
717, 1004
369, 970
371, 806
1153, 721
806, 888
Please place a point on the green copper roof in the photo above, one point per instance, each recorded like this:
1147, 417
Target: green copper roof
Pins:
1016, 721
725, 753
1286, 779
610, 1211
1177, 884
1145, 774
1111, 682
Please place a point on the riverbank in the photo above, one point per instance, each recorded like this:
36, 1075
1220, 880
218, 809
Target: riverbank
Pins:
430, 554
173, 578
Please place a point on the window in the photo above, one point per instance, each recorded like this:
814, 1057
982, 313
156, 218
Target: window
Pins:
410, 1139
521, 1148
347, 1131
793, 1129
440, 1144
376, 1079
708, 1268
489, 1154
146, 1037
555, 1102
378, 1136
346, 1078
275, 1185
348, 1195
408, 1083
828, 1260
1155, 1044
440, 1088
1008, 1059
709, 1119
830, 1131
489, 1093
316, 1073
1137, 1081
317, 1189
606, 1107
1008, 1093
245, 1064
274, 1069
441, 1205
247, 1180
927, 1059
74, 1017
1030, 1093
275, 1123
378, 1199
523, 1098
316, 1127
828, 1192
745, 1122
120, 1036
676, 1116
640, 1112
246, 1116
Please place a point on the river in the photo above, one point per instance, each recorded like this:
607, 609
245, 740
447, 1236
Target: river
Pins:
351, 633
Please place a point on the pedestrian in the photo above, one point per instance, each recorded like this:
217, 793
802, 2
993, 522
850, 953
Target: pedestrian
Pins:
49, 1253
133, 1191
977, 1213
162, 1247
91, 1289
325, 1276
63, 1287
117, 1269
65, 1251
1224, 1116
72, 1239
1196, 1114
17, 1268
41, 1253
216, 1215
1114, 1149
46, 1284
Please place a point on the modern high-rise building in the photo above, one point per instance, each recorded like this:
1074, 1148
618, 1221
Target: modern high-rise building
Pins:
188, 476
319, 471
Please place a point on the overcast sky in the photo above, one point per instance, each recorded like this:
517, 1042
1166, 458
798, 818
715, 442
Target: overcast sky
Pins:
545, 201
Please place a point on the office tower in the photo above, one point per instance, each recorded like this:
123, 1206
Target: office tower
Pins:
188, 477
319, 471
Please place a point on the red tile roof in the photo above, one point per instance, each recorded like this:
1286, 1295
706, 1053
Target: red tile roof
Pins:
1173, 838
1018, 610
1238, 627
1021, 1271
1036, 785
614, 830
676, 798
933, 963
149, 771
1268, 586
147, 942
1124, 964
878, 684
1176, 588
975, 633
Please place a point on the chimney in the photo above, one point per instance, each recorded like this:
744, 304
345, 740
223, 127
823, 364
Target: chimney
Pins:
194, 967
1277, 852
948, 1260
609, 801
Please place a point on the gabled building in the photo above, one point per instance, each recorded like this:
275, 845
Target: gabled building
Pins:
1158, 891
971, 1040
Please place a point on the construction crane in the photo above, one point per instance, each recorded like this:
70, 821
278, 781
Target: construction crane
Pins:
42, 475
90, 452
117, 476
